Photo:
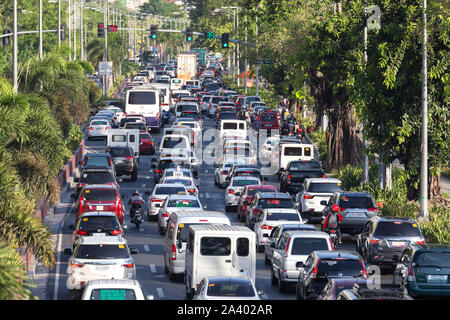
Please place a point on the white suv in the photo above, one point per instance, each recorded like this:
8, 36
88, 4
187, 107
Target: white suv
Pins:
99, 257
159, 194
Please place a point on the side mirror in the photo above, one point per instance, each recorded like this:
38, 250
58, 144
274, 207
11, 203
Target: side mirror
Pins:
238, 194
323, 202
259, 292
134, 251
68, 252
76, 179
71, 227
124, 196
179, 244
265, 179
299, 264
153, 166
254, 220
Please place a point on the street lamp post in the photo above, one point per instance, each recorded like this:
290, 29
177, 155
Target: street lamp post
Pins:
15, 47
40, 30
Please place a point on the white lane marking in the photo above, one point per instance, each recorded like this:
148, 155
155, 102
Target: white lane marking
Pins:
160, 292
152, 268
146, 248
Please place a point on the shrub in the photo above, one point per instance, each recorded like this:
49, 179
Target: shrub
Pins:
437, 229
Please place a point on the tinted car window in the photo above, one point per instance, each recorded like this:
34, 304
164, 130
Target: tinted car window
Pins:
169, 190
99, 222
99, 123
325, 187
251, 192
337, 267
188, 108
215, 246
142, 98
182, 203
306, 165
119, 152
102, 251
174, 142
230, 289
268, 117
304, 246
275, 216
216, 100
433, 259
397, 228
96, 161
139, 126
356, 202
100, 194
242, 183
242, 247
276, 203
227, 116
293, 151
96, 178
185, 182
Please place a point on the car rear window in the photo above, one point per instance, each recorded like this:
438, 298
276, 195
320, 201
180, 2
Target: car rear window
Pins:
183, 203
325, 187
242, 183
356, 202
268, 117
304, 246
340, 267
119, 152
112, 294
397, 228
275, 203
279, 216
99, 194
229, 288
188, 108
96, 161
169, 190
433, 259
132, 125
293, 151
304, 166
102, 251
215, 246
96, 178
142, 98
174, 142
144, 136
99, 223
99, 123
227, 116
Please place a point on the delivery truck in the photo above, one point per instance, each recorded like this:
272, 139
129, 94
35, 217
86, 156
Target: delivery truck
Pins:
186, 66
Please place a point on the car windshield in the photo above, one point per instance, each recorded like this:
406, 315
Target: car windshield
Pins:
276, 203
99, 223
325, 187
96, 178
278, 216
119, 152
102, 251
95, 194
113, 294
244, 182
96, 161
397, 228
433, 259
356, 202
304, 246
304, 166
169, 190
230, 288
339, 267
183, 203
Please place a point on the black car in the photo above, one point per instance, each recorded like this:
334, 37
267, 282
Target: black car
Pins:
291, 180
94, 176
165, 163
267, 200
96, 161
323, 265
125, 161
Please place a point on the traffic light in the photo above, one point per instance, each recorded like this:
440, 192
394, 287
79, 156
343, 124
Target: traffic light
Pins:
6, 41
100, 30
154, 31
189, 34
225, 38
63, 32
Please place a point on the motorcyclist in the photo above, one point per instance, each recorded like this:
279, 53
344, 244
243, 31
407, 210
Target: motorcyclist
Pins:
333, 221
136, 203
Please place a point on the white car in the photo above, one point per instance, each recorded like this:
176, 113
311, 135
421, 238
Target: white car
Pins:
176, 203
114, 289
314, 191
233, 191
270, 218
117, 111
177, 172
267, 147
188, 182
194, 125
99, 257
223, 171
185, 106
98, 128
238, 151
204, 104
159, 194
227, 288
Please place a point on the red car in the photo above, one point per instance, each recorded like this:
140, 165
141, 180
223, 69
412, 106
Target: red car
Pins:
247, 196
146, 145
268, 120
100, 198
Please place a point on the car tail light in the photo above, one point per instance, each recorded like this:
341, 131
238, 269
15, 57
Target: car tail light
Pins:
116, 232
159, 171
106, 128
81, 233
90, 128
231, 191
129, 157
165, 214
375, 241
257, 211
314, 273
266, 227
157, 200
375, 210
77, 265
411, 275
287, 246
191, 190
364, 272
420, 242
342, 209
174, 252
130, 265
224, 173
308, 196
324, 176
331, 244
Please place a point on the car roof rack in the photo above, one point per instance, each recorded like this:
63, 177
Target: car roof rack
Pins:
398, 291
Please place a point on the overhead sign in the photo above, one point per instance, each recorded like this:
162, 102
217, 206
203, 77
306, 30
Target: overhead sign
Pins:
105, 68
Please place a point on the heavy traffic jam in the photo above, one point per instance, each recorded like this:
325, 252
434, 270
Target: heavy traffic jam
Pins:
233, 189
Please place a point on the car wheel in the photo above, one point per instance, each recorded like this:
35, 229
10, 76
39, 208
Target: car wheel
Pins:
273, 280
260, 249
281, 285
74, 294
134, 175
166, 270
266, 260
172, 275
227, 209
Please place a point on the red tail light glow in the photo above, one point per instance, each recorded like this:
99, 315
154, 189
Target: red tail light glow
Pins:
373, 209
266, 227
116, 232
130, 265
308, 196
81, 233
174, 252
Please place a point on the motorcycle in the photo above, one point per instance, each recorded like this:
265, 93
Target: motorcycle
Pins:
138, 213
332, 233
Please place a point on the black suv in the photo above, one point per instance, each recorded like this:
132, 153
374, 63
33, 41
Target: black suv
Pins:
97, 161
292, 178
94, 176
323, 265
384, 239
267, 200
125, 161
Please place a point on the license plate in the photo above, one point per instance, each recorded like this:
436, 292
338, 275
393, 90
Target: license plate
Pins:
100, 208
101, 268
356, 215
99, 234
437, 278
398, 244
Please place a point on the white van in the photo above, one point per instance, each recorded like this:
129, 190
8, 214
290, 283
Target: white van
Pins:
147, 102
174, 142
233, 127
177, 234
164, 89
287, 152
219, 250
176, 83
124, 138
181, 130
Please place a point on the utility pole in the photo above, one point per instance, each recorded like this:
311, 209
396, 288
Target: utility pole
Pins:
245, 64
257, 60
142, 41
59, 23
105, 56
365, 161
74, 30
81, 30
15, 88
424, 130
238, 53
69, 25
40, 30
